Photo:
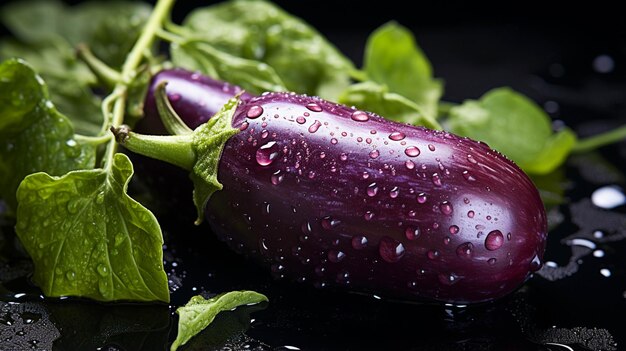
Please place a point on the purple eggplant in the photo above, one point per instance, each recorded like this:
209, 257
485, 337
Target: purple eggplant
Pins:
334, 196
194, 96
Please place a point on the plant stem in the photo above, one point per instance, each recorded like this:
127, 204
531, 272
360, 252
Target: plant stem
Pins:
133, 60
600, 140
106, 74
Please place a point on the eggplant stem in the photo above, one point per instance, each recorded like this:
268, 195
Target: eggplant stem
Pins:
109, 76
175, 149
171, 120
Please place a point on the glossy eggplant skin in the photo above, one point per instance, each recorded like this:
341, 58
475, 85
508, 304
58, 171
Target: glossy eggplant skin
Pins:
329, 195
193, 95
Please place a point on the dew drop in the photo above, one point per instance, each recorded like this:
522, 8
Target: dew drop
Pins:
374, 154
343, 156
468, 176
359, 242
454, 229
254, 111
494, 240
465, 250
436, 179
360, 116
314, 107
100, 198
343, 277
412, 151
267, 153
394, 192
368, 215
306, 228
390, 250
412, 232
244, 126
301, 120
433, 254
334, 141
446, 207
535, 264
471, 159
315, 126
470, 214
70, 275
372, 189
431, 147
277, 177
492, 261
263, 245
102, 270
397, 136
336, 256
409, 164
329, 223
421, 198
119, 239
72, 206
448, 279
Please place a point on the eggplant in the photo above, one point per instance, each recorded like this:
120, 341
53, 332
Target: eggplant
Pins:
193, 95
333, 196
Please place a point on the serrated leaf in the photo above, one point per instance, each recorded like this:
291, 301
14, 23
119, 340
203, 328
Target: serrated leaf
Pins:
88, 238
199, 312
34, 136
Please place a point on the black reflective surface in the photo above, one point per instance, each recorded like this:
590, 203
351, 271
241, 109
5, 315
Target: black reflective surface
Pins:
577, 302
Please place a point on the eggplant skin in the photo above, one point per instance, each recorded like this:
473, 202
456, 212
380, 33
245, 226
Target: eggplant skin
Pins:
194, 96
328, 195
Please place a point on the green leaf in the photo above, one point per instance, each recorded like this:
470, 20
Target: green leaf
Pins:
393, 58
198, 313
45, 33
69, 80
515, 126
371, 96
260, 31
88, 238
253, 76
33, 21
109, 28
34, 136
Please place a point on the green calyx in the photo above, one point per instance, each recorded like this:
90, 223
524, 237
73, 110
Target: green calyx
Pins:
196, 151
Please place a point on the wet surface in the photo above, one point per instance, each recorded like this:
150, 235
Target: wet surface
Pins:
576, 302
